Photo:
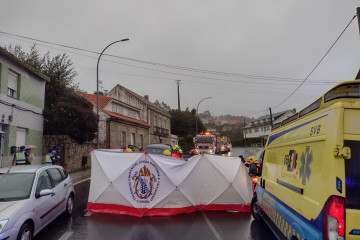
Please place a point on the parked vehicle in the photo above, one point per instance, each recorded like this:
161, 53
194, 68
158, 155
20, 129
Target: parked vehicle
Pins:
309, 183
157, 148
32, 196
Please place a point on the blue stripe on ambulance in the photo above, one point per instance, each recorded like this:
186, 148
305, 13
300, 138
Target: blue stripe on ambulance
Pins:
286, 219
275, 136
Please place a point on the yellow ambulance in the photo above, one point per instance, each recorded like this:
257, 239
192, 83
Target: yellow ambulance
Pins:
309, 183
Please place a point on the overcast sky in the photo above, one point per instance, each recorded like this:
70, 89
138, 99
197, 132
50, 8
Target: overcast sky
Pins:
248, 55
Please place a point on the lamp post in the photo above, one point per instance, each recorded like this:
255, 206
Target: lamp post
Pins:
97, 89
197, 112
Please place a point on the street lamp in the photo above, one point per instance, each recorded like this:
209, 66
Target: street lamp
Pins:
97, 88
197, 112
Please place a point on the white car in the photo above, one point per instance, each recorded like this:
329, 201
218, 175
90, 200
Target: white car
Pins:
31, 196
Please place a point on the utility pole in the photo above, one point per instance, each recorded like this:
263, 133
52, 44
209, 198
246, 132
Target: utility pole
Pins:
358, 16
244, 130
271, 122
178, 91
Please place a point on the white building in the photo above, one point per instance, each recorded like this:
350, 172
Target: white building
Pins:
261, 127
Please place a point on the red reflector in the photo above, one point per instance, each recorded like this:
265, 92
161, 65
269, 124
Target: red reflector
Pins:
254, 180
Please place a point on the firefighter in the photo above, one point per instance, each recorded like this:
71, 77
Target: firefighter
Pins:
176, 151
193, 152
167, 152
253, 163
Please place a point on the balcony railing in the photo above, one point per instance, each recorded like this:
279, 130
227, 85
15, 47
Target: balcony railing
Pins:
161, 132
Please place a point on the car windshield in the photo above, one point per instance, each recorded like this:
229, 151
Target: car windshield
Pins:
15, 186
203, 139
154, 150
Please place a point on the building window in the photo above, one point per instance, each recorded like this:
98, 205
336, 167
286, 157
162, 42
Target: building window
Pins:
117, 108
132, 139
13, 84
155, 121
250, 131
20, 136
141, 141
131, 114
256, 130
123, 139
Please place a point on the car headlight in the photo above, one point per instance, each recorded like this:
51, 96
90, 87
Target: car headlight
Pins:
3, 223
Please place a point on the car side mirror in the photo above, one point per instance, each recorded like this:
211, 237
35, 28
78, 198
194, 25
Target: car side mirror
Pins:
44, 192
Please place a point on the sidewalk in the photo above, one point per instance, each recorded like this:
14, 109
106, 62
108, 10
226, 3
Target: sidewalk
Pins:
80, 175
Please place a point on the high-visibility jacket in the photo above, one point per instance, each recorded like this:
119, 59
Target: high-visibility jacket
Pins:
20, 158
176, 155
48, 159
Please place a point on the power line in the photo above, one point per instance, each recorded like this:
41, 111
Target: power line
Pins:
317, 63
251, 76
179, 74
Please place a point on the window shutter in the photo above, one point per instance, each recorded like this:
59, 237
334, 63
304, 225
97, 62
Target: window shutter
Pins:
13, 80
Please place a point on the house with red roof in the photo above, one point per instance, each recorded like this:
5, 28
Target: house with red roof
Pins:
126, 118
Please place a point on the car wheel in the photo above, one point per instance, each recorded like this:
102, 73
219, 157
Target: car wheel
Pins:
25, 233
69, 205
255, 209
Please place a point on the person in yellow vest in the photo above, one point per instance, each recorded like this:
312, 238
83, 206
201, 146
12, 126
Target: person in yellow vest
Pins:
21, 157
49, 157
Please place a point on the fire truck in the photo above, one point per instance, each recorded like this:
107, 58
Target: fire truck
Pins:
207, 142
224, 145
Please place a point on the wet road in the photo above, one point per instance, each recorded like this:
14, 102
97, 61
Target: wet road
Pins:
203, 225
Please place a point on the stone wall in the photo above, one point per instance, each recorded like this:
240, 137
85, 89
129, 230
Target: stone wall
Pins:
71, 152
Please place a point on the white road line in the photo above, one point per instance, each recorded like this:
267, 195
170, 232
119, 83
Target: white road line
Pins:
88, 214
212, 228
66, 235
84, 180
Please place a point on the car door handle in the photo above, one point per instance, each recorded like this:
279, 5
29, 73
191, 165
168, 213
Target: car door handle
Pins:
65, 184
53, 194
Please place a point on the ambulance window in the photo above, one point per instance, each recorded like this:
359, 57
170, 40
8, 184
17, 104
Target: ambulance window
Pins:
262, 156
352, 176
312, 107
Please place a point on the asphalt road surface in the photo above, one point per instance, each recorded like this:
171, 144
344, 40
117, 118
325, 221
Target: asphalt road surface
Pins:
200, 225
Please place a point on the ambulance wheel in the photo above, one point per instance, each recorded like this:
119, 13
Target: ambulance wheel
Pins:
255, 209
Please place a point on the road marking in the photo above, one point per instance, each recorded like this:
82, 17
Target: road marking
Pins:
212, 228
84, 180
88, 214
66, 235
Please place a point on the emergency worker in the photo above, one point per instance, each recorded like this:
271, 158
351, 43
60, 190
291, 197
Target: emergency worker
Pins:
21, 157
193, 152
49, 157
176, 152
252, 162
243, 160
167, 152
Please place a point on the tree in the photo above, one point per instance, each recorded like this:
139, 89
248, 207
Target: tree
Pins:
163, 105
183, 125
65, 112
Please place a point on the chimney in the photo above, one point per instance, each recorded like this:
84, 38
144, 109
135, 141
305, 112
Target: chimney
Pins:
146, 97
105, 92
